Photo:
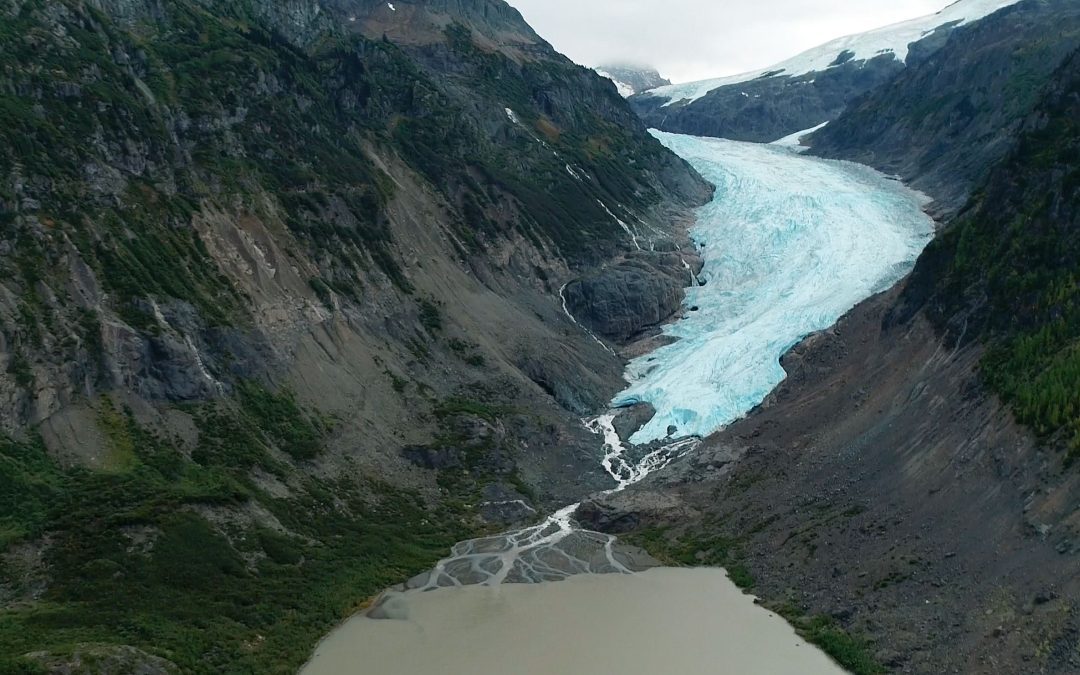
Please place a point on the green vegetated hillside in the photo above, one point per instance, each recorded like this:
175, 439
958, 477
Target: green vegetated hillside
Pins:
1008, 271
249, 252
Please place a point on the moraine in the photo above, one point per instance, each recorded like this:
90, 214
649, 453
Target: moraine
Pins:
790, 244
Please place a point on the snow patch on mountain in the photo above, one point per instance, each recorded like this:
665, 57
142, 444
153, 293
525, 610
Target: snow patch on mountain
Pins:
794, 140
625, 90
893, 39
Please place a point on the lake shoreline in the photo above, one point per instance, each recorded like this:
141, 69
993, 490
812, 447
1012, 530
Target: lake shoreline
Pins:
692, 620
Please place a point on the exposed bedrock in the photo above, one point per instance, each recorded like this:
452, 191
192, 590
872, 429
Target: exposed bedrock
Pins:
629, 420
641, 291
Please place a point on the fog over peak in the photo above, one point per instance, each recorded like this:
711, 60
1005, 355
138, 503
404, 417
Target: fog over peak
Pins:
694, 39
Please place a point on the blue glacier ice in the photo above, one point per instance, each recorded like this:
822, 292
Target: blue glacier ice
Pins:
791, 243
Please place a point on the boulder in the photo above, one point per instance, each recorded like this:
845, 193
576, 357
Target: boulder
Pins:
629, 420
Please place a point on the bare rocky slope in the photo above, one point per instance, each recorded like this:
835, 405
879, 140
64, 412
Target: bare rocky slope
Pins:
908, 498
279, 300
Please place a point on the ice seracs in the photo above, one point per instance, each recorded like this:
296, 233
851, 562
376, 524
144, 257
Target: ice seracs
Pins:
790, 243
893, 39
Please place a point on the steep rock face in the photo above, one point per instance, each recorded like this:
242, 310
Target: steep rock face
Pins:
622, 300
942, 123
260, 264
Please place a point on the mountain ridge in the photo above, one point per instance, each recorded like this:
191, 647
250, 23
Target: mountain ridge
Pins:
811, 88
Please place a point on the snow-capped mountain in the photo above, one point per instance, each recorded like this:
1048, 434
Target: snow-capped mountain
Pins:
894, 39
631, 79
818, 85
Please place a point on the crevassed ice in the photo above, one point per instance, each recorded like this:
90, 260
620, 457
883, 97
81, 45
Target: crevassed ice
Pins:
791, 243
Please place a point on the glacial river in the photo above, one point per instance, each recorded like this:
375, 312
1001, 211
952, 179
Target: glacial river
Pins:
790, 243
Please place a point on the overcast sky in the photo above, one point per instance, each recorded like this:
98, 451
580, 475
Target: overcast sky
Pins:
697, 39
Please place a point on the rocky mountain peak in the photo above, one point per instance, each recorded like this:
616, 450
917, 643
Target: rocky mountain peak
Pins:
632, 78
494, 24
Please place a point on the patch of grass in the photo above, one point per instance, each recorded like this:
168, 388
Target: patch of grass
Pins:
116, 426
280, 418
891, 579
28, 484
740, 575
430, 316
460, 406
280, 549
467, 352
19, 368
399, 384
229, 440
851, 652
693, 550
20, 666
524, 489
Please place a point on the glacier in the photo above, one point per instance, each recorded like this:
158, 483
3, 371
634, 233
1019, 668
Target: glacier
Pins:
790, 243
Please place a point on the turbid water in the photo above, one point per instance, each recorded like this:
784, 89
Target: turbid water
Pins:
684, 621
790, 243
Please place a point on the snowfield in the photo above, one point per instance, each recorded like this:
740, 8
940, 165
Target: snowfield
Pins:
791, 243
625, 90
894, 39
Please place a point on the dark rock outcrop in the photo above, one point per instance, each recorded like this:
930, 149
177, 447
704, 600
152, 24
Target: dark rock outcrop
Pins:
629, 420
621, 301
